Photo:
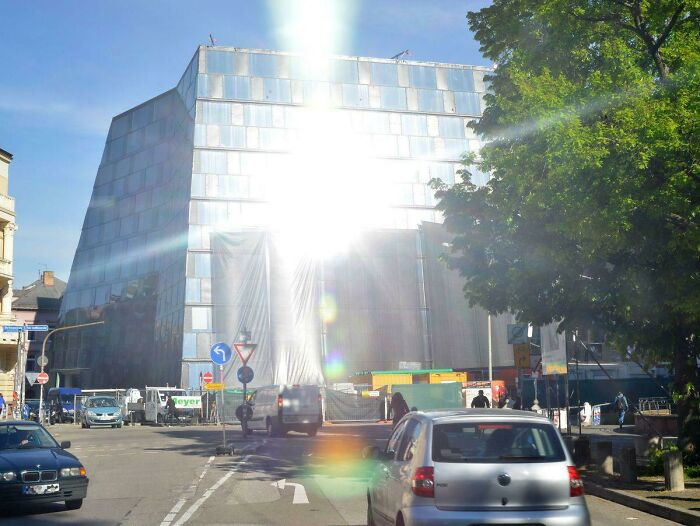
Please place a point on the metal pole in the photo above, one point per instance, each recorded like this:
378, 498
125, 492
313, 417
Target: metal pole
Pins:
488, 320
221, 411
25, 353
578, 396
568, 395
43, 353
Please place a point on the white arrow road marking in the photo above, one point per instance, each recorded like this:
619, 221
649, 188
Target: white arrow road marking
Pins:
299, 491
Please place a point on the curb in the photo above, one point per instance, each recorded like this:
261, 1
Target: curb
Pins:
665, 511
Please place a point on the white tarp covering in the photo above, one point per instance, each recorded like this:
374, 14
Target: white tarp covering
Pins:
256, 287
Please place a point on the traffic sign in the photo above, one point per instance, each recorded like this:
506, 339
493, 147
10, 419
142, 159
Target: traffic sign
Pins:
31, 377
207, 378
39, 328
517, 334
245, 351
12, 328
220, 353
244, 412
42, 361
42, 378
245, 374
521, 355
214, 386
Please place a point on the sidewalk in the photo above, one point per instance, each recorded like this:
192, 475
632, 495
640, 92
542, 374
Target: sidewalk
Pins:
648, 493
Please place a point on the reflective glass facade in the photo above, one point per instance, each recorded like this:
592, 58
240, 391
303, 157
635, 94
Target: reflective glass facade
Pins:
201, 158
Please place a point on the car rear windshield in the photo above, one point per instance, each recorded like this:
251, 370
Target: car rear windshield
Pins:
496, 442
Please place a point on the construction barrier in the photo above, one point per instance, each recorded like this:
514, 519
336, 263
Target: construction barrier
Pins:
348, 407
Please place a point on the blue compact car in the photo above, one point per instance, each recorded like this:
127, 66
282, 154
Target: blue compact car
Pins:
101, 411
35, 469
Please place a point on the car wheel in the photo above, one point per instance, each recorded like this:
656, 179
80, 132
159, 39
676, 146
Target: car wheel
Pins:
312, 431
370, 515
82, 424
120, 425
74, 504
87, 426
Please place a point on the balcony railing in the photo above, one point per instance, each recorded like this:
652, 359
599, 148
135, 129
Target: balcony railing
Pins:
7, 203
5, 268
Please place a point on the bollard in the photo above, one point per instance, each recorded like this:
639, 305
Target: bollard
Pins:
673, 471
604, 457
628, 465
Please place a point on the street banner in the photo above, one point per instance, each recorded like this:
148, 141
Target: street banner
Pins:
521, 355
553, 350
187, 402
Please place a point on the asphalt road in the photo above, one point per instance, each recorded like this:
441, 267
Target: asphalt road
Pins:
169, 476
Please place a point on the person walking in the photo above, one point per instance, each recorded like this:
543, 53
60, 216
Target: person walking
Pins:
481, 401
170, 408
399, 407
621, 406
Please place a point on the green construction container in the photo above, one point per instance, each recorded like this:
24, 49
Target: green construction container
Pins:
425, 397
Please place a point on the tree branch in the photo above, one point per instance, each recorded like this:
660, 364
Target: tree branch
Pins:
667, 31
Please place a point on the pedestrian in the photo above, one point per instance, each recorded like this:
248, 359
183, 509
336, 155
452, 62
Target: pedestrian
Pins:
621, 406
2, 406
170, 409
399, 407
517, 403
481, 401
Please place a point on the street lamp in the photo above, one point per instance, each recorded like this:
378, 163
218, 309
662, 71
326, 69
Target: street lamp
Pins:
43, 361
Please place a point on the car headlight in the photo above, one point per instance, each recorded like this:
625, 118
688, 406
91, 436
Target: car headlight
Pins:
91, 413
73, 472
8, 476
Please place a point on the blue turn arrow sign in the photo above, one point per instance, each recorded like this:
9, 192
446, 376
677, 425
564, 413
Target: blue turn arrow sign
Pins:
220, 353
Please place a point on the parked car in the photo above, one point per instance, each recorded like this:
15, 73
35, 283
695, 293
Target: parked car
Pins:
101, 411
281, 408
34, 468
480, 466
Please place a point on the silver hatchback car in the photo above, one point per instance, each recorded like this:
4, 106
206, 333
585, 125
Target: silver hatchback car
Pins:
475, 467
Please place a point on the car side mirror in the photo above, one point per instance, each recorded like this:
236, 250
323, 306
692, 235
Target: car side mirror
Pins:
65, 444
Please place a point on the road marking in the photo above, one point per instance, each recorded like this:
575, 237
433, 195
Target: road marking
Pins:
192, 509
299, 491
170, 517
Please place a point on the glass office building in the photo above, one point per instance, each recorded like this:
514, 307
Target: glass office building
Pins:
183, 242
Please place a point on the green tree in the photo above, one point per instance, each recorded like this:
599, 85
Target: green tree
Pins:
592, 214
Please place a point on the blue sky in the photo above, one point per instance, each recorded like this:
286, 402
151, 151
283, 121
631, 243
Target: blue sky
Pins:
69, 66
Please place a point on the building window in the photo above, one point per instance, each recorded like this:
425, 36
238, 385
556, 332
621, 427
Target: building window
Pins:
422, 77
263, 65
355, 96
236, 88
468, 103
344, 71
192, 292
414, 125
260, 116
430, 100
277, 90
220, 62
232, 136
384, 74
201, 318
451, 127
460, 79
392, 98
216, 113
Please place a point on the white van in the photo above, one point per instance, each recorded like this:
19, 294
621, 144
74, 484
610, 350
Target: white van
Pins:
281, 408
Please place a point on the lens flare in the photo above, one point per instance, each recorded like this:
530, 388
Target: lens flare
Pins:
329, 308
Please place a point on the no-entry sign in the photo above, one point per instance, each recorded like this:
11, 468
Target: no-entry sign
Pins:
207, 378
42, 378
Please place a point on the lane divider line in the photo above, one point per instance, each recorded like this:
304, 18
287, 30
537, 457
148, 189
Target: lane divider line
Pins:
198, 503
170, 517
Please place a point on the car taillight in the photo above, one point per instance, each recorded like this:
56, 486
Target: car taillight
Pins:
575, 483
279, 402
422, 483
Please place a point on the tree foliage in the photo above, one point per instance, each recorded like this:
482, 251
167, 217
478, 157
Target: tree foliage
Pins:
592, 214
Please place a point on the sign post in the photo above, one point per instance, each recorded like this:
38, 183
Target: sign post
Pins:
245, 375
220, 354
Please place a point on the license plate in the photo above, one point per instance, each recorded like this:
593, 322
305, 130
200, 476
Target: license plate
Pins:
41, 489
105, 417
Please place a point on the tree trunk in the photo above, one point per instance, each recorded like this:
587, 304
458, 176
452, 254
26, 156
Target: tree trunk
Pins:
686, 389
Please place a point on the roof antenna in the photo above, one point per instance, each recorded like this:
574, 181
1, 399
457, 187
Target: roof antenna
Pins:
400, 56
212, 39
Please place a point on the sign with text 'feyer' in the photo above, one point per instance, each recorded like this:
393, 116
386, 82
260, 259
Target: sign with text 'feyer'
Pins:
187, 402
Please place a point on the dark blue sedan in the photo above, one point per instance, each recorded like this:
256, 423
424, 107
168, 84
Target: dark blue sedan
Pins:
35, 469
